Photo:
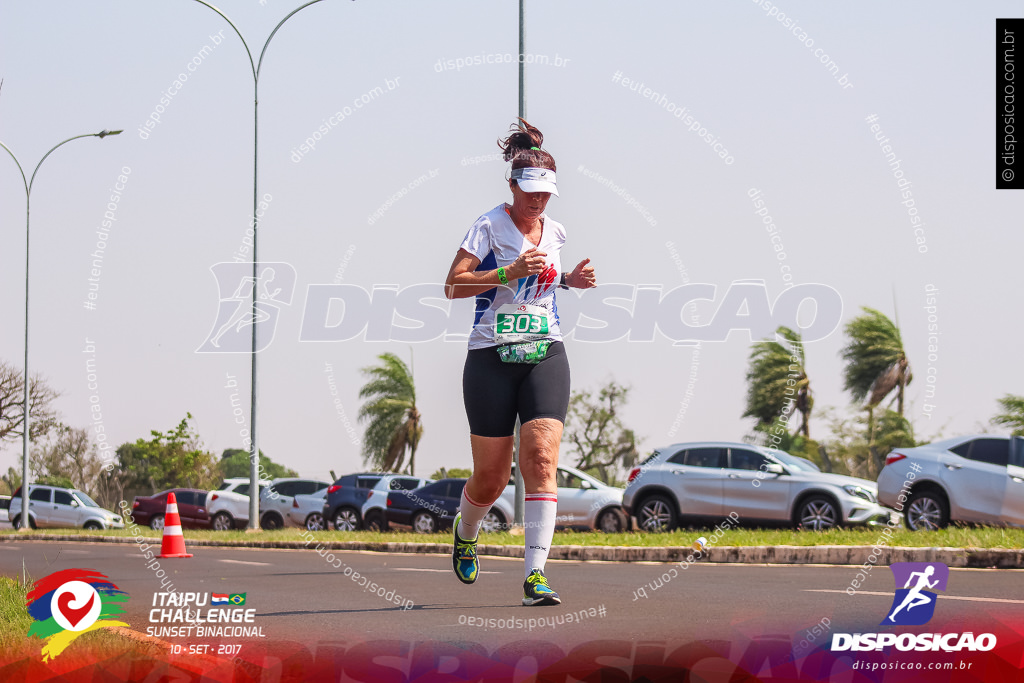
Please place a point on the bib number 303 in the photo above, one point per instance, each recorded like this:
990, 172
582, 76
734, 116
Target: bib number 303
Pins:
522, 322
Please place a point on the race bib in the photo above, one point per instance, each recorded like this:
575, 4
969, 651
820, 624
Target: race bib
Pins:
520, 323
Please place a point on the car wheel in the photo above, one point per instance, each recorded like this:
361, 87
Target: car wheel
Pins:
375, 521
493, 521
657, 513
424, 523
927, 511
92, 526
222, 522
346, 519
612, 521
157, 523
271, 521
817, 513
315, 522
17, 522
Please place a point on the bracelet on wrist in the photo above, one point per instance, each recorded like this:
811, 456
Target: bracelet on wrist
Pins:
502, 277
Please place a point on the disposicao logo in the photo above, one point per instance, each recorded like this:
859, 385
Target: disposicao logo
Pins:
913, 605
915, 577
68, 603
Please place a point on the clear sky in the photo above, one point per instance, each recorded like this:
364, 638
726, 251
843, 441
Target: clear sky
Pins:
791, 128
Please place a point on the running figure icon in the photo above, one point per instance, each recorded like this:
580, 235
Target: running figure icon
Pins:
915, 597
246, 300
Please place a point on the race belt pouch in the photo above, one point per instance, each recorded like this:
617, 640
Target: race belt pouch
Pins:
524, 352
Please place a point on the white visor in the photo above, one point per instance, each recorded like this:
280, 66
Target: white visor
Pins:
532, 179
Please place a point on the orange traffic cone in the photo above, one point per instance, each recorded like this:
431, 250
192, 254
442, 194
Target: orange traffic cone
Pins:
173, 543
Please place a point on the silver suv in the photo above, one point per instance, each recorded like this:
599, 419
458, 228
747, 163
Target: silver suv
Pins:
711, 480
56, 507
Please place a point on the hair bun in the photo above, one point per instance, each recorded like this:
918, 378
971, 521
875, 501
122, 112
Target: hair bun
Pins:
523, 147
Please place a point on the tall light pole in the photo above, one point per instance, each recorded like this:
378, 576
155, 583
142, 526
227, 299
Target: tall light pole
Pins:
26, 440
254, 451
520, 501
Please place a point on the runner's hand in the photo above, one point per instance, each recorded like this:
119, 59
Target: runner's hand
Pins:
529, 263
582, 276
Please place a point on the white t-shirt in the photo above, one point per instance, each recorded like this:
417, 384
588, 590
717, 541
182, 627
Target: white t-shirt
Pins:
497, 242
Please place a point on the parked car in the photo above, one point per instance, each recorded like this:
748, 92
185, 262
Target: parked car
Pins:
228, 506
358, 501
5, 506
58, 507
977, 478
710, 480
307, 511
276, 499
433, 507
149, 510
583, 501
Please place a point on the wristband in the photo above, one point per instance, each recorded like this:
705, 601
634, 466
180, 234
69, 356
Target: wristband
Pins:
501, 276
563, 282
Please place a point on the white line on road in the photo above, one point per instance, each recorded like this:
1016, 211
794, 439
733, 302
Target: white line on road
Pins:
259, 564
944, 597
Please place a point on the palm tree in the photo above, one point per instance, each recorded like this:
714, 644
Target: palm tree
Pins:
876, 363
395, 424
769, 391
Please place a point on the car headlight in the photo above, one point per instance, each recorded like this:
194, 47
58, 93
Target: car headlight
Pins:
860, 492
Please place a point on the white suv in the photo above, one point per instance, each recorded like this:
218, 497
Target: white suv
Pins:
52, 506
228, 506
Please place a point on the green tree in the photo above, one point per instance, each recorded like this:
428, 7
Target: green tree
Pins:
600, 442
876, 365
777, 382
1012, 414
458, 472
394, 422
848, 447
234, 462
169, 459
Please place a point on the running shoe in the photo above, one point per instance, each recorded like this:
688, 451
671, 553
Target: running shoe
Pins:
464, 560
536, 590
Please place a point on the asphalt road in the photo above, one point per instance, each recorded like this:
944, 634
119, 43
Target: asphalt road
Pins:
300, 596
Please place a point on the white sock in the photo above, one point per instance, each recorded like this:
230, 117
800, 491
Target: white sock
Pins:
473, 514
539, 517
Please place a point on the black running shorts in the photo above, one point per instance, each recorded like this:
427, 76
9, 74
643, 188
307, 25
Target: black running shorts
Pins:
495, 392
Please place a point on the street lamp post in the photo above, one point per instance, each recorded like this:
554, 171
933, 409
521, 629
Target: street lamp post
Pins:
26, 440
254, 451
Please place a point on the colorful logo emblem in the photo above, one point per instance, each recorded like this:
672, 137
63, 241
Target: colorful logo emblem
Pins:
914, 603
68, 603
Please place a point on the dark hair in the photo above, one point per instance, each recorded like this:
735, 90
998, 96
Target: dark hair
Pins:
517, 147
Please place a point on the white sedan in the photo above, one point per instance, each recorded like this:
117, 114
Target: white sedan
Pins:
583, 501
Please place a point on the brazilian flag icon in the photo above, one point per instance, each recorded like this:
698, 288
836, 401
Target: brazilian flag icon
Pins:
237, 599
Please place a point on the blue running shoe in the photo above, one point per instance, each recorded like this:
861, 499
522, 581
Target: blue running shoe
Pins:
464, 560
536, 590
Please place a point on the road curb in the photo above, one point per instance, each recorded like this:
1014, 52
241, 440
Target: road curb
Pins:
781, 554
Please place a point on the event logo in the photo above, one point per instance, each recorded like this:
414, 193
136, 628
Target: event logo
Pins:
913, 605
236, 312
68, 603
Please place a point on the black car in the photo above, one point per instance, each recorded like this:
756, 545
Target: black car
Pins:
428, 509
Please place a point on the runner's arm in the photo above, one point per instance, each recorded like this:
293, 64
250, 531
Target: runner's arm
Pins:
465, 281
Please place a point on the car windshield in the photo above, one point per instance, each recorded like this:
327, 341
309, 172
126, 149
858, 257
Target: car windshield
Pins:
86, 500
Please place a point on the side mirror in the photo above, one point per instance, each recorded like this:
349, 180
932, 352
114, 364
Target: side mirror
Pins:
584, 484
775, 468
74, 503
